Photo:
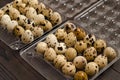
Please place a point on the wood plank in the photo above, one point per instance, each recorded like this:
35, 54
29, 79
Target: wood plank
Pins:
109, 74
116, 66
5, 74
16, 68
1, 78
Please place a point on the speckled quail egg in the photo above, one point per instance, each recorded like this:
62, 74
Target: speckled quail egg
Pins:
40, 7
51, 40
25, 1
18, 31
1, 13
69, 27
22, 10
11, 25
70, 39
69, 69
38, 19
80, 46
18, 3
80, 75
21, 19
89, 39
27, 37
30, 12
90, 53
91, 68
60, 34
59, 61
110, 53
46, 25
100, 45
33, 3
29, 24
13, 13
47, 13
50, 54
5, 20
101, 61
37, 31
70, 54
80, 33
6, 7
60, 48
80, 62
55, 18
41, 47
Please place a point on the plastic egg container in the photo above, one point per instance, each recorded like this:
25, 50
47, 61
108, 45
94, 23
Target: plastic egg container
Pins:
24, 21
69, 8
71, 51
103, 21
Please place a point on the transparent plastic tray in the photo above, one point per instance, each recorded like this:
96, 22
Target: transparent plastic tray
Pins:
104, 21
69, 8
13, 42
48, 70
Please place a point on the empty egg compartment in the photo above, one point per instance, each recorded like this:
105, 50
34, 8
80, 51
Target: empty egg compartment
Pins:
70, 8
28, 22
103, 21
52, 51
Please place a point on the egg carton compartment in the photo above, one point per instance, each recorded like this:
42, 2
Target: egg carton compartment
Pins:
103, 21
8, 34
69, 8
48, 70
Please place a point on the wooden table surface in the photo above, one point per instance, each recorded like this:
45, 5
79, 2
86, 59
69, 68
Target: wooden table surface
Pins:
13, 67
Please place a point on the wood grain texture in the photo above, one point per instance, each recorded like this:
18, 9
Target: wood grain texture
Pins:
109, 74
116, 66
5, 74
16, 68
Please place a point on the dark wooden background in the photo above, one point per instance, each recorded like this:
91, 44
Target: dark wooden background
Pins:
13, 67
